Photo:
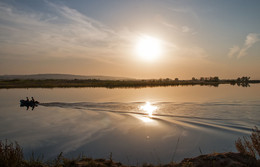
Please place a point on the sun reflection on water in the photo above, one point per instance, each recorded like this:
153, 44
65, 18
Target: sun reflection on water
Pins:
145, 119
148, 108
147, 112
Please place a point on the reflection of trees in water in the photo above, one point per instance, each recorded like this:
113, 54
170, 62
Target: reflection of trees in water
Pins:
243, 81
243, 84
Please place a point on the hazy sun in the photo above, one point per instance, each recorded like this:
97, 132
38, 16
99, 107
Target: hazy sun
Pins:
148, 48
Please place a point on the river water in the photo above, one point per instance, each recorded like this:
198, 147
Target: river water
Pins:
152, 125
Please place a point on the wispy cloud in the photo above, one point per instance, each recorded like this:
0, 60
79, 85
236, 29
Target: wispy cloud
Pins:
169, 25
179, 29
238, 52
186, 11
186, 29
193, 52
233, 51
64, 33
176, 27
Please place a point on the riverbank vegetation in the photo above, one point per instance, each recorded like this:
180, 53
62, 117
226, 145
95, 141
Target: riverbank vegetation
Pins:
52, 83
11, 155
251, 145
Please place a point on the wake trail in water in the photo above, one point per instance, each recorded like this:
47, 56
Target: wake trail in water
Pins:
215, 115
121, 108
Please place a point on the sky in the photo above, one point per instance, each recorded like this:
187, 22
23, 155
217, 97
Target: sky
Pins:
197, 38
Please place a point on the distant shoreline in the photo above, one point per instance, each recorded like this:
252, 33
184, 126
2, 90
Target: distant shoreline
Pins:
64, 83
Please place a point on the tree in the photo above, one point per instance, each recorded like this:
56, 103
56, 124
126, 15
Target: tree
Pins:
167, 79
216, 79
245, 79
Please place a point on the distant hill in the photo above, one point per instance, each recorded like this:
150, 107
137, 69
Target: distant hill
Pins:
60, 76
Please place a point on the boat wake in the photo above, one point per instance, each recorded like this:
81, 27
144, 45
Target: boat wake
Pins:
209, 116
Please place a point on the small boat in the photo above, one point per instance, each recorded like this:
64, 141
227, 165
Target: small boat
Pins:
29, 103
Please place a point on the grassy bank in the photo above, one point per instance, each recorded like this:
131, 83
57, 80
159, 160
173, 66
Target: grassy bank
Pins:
53, 83
11, 155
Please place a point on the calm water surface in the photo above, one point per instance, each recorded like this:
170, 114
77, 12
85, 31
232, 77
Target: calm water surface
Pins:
154, 125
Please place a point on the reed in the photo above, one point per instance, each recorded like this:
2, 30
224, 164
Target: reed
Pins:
251, 145
11, 154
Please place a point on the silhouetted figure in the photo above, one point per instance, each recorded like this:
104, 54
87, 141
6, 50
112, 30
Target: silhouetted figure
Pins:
29, 103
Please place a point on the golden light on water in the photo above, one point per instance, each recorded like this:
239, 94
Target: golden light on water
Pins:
145, 119
148, 48
148, 108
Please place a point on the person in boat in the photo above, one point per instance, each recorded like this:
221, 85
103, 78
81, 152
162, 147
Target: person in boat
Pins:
32, 100
27, 99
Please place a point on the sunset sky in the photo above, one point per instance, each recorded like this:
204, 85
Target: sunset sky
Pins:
101, 37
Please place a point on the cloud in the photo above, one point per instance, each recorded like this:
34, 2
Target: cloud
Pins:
191, 52
251, 39
167, 24
232, 51
238, 52
64, 32
187, 11
177, 28
185, 29
196, 52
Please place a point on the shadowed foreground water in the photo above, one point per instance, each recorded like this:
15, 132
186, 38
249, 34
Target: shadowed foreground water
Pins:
184, 121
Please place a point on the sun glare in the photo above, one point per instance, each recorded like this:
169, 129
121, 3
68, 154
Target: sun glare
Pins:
148, 48
148, 108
